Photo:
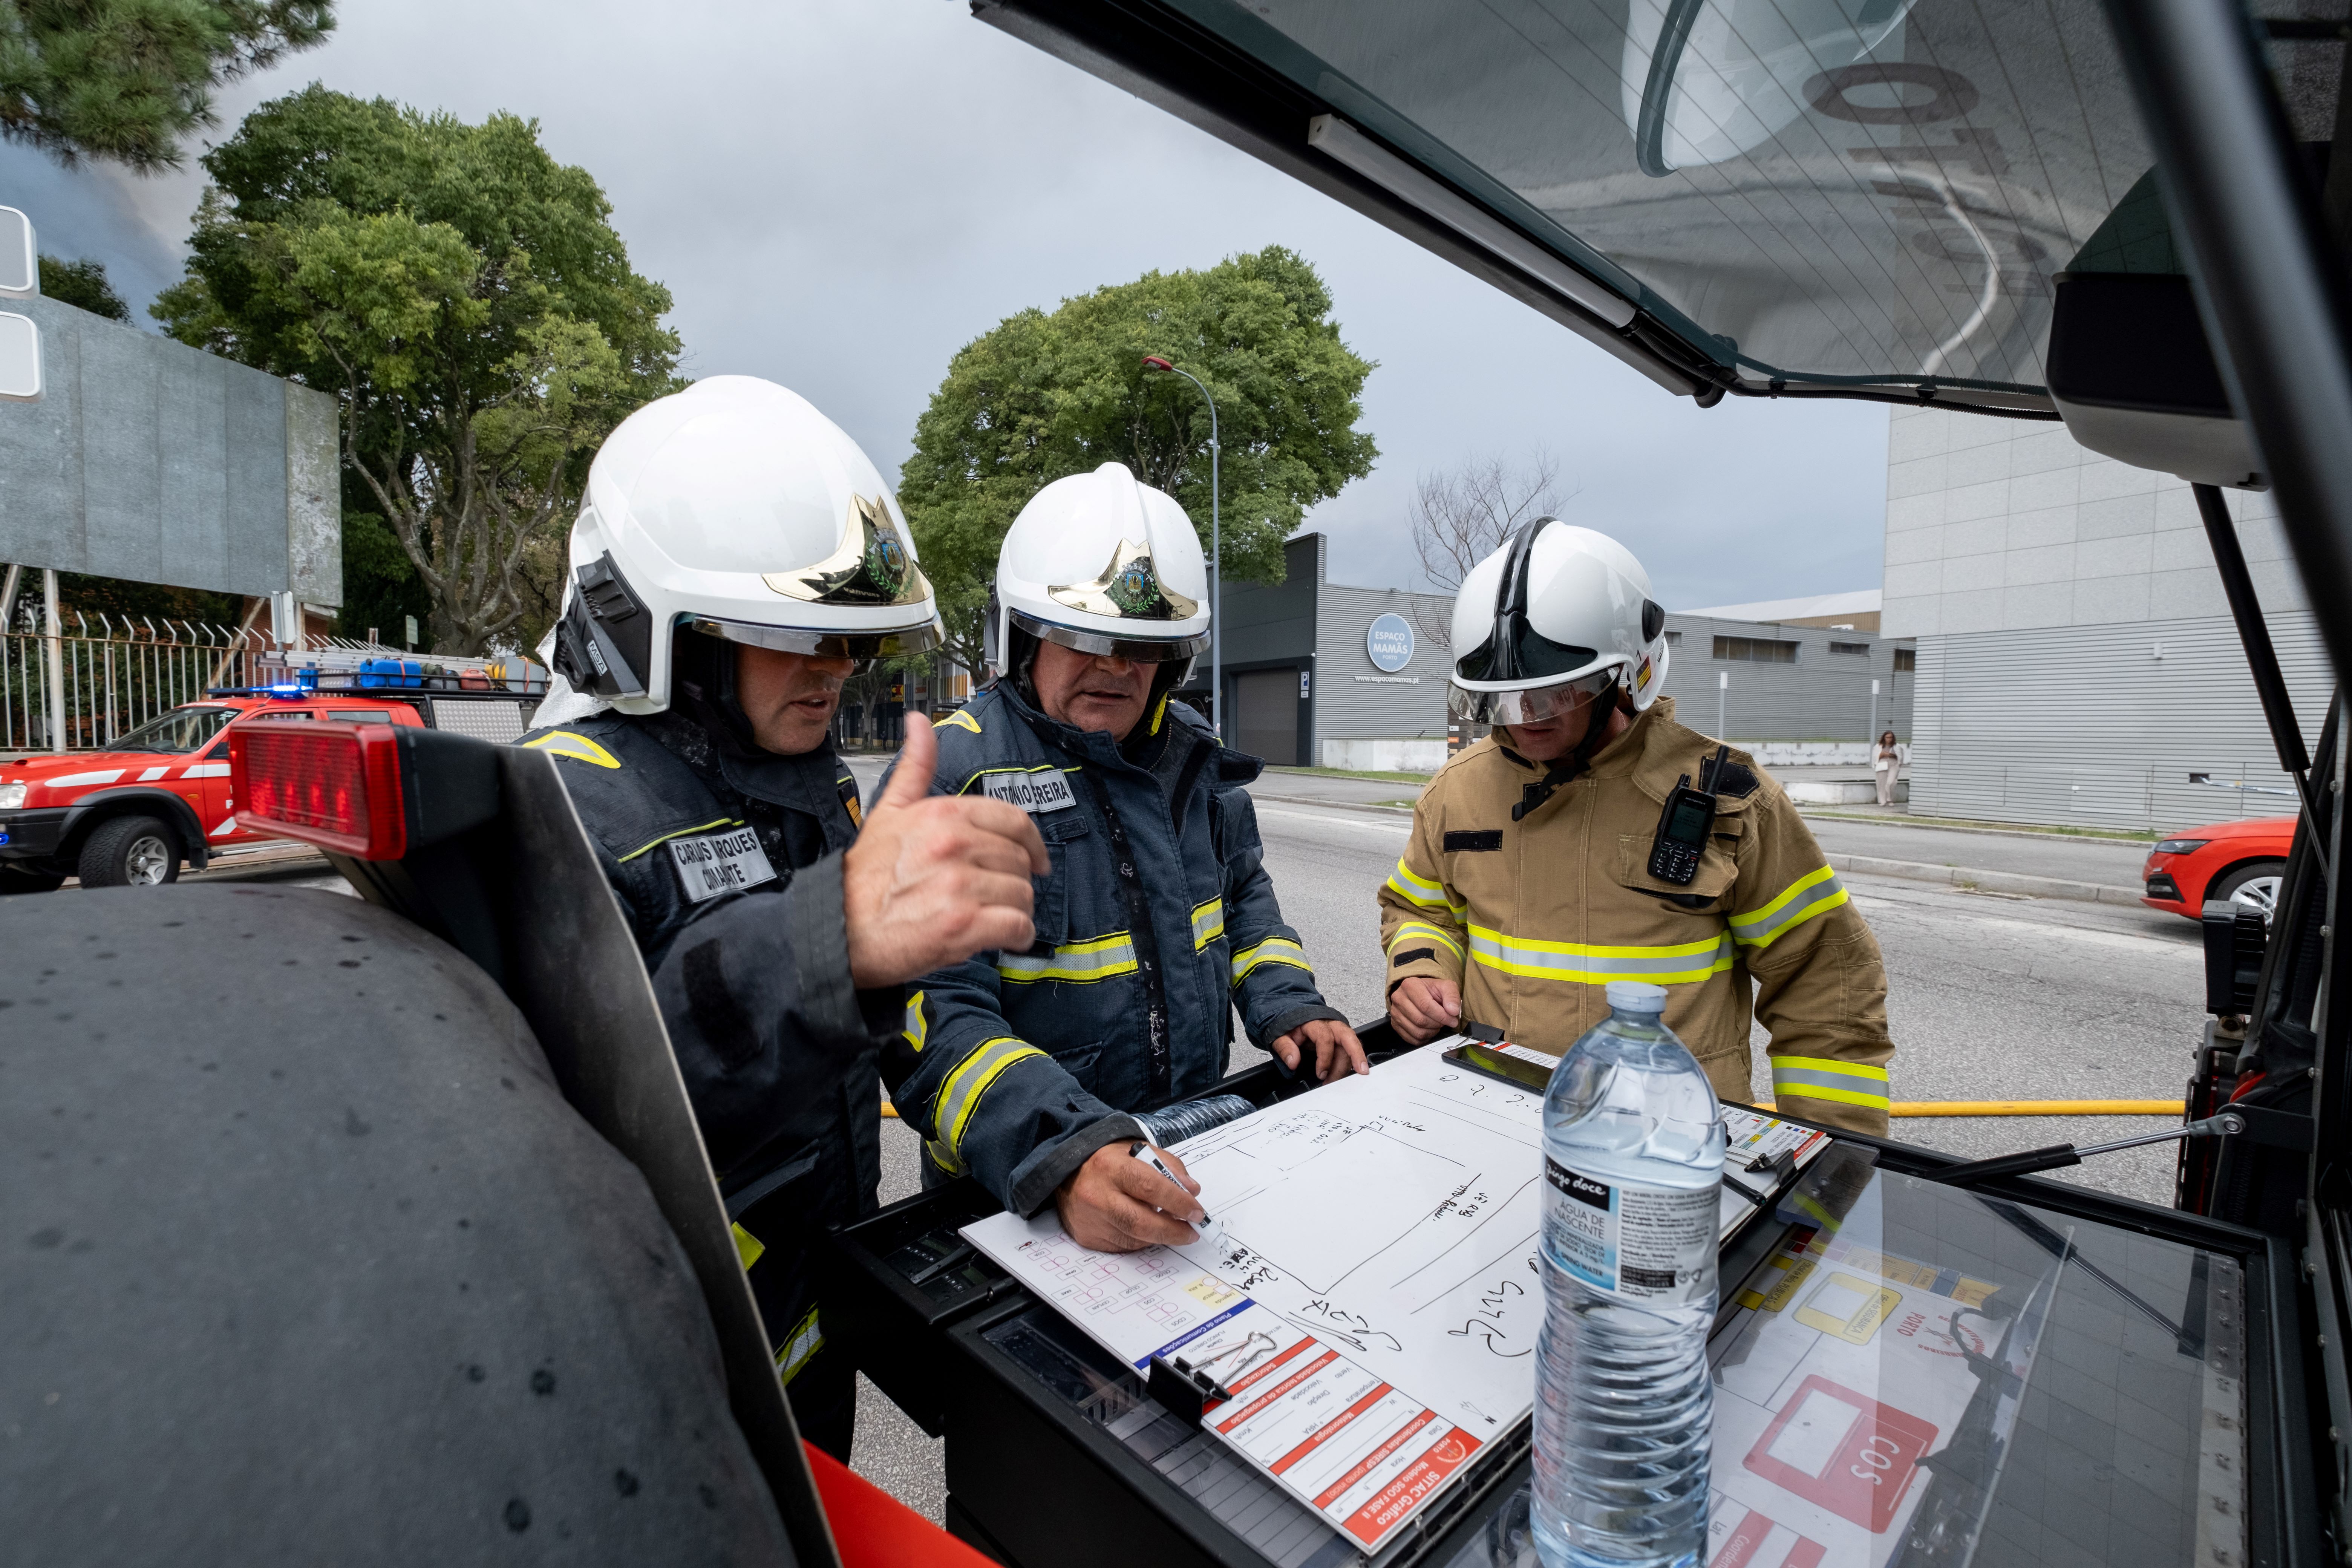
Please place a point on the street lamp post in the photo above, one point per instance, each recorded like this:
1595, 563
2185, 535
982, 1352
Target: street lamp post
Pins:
1216, 554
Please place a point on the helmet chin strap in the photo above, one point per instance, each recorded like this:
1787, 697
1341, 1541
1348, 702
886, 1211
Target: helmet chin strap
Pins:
702, 673
1564, 770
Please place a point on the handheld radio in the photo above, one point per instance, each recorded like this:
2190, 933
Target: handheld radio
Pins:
1684, 824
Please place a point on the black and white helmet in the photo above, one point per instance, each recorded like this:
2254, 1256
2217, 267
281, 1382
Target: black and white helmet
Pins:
1557, 614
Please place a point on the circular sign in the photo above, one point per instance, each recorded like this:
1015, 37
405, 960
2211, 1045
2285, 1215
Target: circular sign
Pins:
1389, 643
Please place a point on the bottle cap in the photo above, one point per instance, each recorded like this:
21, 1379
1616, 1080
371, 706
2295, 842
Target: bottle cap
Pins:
1633, 996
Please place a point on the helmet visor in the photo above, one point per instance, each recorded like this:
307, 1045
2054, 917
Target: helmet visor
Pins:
1517, 651
898, 643
1527, 705
1143, 650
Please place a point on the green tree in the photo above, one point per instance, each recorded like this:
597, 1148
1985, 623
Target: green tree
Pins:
125, 80
380, 587
465, 297
83, 284
1041, 396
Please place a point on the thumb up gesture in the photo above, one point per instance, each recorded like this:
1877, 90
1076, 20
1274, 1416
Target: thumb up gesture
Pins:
933, 879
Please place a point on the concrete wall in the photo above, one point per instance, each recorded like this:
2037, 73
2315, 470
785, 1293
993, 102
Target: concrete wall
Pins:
1823, 696
2077, 660
2006, 525
150, 461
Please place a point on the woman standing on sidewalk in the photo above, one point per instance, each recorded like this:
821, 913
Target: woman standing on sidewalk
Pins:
1888, 765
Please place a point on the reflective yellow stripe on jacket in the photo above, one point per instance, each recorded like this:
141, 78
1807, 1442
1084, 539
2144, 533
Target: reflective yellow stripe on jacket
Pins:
1418, 930
960, 1093
1414, 889
1825, 1077
919, 1027
1079, 962
1208, 923
1814, 893
1273, 949
579, 748
1593, 966
806, 1341
748, 1248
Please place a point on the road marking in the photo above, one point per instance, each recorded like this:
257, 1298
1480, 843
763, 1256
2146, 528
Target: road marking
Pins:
1338, 820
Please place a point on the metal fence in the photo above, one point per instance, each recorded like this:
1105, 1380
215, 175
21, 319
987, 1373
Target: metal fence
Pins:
114, 676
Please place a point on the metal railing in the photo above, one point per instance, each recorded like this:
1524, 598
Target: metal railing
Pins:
118, 673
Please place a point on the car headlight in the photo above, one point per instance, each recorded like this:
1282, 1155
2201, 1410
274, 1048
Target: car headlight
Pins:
2179, 845
12, 796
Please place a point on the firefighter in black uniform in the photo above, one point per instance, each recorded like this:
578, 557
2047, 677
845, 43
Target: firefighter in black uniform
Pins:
736, 558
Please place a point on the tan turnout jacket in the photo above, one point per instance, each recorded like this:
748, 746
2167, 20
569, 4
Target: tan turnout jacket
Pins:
1532, 917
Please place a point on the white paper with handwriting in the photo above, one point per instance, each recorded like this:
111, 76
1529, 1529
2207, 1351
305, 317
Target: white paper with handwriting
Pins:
1375, 1272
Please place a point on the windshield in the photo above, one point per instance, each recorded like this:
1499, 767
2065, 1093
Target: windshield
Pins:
1845, 193
181, 730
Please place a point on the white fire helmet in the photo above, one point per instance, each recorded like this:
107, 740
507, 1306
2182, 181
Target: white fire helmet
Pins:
1103, 565
1557, 614
736, 510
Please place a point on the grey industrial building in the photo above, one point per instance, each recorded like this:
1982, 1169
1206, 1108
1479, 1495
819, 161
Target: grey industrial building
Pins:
1303, 686
2077, 661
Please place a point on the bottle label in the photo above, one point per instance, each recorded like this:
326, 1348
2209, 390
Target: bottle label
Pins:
1650, 1244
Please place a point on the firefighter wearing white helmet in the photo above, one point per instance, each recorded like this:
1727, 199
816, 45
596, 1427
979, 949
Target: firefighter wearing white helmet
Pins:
1592, 838
1023, 1067
735, 559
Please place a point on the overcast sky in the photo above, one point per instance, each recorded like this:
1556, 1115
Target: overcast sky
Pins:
842, 195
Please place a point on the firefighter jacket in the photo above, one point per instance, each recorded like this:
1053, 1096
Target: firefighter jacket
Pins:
1533, 918
728, 863
1157, 921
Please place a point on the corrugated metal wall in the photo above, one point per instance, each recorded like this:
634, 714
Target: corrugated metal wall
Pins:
1354, 698
2101, 726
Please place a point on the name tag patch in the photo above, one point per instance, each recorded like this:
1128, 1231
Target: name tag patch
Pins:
719, 863
1032, 793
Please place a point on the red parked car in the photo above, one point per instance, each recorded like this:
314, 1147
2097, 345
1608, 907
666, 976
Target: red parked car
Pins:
2236, 861
131, 815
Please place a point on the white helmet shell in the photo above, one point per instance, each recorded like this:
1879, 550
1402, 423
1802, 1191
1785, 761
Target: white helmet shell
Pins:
1103, 563
1586, 599
736, 508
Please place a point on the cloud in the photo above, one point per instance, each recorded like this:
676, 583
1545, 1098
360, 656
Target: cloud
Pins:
842, 195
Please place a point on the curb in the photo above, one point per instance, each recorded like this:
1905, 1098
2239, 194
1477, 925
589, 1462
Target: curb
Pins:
1990, 882
1832, 814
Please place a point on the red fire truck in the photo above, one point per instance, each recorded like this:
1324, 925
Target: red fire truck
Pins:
159, 797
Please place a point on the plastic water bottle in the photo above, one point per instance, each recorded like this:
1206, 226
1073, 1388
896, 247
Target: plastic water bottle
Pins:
1634, 1163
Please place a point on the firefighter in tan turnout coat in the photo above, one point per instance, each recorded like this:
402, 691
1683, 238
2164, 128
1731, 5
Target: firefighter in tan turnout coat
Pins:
1534, 875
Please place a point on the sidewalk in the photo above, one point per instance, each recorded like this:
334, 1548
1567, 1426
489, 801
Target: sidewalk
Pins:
2105, 862
1311, 786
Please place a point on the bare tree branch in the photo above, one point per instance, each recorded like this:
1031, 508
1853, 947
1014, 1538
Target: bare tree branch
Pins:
1460, 517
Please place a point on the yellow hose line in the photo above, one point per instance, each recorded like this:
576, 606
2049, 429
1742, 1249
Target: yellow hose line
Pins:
2031, 1108
1973, 1108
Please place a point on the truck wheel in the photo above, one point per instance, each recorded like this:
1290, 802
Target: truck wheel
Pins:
2253, 886
131, 852
22, 879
